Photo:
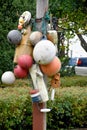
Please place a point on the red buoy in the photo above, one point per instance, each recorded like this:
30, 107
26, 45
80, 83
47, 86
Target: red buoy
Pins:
25, 61
20, 72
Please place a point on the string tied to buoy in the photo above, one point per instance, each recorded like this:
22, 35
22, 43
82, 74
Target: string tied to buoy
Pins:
44, 22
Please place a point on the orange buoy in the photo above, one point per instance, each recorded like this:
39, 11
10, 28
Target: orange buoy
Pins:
52, 68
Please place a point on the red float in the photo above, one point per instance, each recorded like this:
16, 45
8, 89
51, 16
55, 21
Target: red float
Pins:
20, 72
25, 61
52, 68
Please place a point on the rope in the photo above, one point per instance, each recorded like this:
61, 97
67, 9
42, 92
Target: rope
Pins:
44, 21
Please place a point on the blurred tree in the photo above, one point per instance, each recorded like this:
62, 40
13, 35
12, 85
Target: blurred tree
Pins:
72, 18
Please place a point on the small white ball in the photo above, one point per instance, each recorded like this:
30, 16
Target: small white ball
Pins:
8, 77
44, 52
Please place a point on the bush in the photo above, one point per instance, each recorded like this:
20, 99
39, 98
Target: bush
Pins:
74, 81
15, 109
69, 109
6, 61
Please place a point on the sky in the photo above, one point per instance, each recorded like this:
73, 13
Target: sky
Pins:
75, 49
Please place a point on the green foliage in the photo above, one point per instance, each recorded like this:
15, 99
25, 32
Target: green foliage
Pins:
70, 11
69, 109
68, 81
66, 70
6, 61
64, 6
15, 109
27, 5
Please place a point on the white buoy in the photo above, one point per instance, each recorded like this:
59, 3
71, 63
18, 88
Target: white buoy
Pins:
35, 37
8, 77
44, 52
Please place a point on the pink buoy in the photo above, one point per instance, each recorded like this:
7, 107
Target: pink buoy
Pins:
25, 61
20, 72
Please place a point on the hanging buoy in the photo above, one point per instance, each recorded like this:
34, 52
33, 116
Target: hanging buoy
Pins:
14, 36
20, 72
52, 68
35, 37
25, 61
8, 77
44, 52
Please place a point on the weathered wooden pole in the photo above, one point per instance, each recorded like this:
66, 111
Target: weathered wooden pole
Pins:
39, 118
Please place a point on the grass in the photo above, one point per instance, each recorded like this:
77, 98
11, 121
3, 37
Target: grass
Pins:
73, 84
74, 81
65, 82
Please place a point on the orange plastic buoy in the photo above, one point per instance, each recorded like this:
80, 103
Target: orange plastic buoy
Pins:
52, 68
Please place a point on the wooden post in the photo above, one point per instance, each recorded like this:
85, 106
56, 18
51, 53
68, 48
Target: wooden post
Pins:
41, 8
39, 118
